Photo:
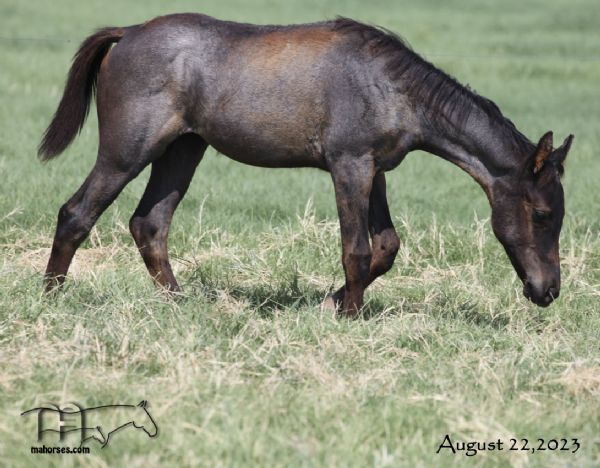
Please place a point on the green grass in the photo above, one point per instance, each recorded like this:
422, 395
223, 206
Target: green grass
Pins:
244, 369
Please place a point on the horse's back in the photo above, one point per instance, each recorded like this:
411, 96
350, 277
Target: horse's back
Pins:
263, 95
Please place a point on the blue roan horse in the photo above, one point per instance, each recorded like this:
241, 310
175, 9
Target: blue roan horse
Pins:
339, 96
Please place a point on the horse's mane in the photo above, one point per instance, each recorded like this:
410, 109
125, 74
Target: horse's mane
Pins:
441, 94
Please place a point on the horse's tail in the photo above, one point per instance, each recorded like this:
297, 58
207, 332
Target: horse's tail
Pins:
74, 106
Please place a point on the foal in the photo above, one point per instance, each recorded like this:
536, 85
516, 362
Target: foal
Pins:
339, 96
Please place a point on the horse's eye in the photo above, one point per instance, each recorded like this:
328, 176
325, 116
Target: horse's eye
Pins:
539, 215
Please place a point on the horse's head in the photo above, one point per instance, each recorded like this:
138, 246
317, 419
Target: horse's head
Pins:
527, 215
144, 420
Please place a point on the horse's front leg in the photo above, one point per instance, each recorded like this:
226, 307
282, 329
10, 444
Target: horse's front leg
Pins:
353, 178
385, 241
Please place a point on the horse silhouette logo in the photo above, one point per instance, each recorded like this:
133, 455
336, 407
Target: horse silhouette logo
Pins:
97, 423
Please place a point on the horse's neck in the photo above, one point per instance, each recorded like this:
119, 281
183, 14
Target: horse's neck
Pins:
483, 148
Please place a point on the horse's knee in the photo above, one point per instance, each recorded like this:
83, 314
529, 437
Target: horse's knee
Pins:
385, 253
391, 246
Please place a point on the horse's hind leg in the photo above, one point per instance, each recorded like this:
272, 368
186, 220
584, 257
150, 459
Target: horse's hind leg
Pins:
384, 239
121, 157
170, 178
78, 215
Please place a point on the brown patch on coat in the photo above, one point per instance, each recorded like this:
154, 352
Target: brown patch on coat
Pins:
279, 49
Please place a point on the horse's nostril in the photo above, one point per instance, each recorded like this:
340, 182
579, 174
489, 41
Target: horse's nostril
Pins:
553, 292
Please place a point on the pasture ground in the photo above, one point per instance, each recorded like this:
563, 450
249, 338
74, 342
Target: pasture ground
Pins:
244, 369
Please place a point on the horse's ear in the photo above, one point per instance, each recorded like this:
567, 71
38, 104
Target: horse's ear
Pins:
542, 152
142, 404
559, 155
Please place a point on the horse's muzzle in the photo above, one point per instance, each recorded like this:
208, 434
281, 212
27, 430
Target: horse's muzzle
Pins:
541, 298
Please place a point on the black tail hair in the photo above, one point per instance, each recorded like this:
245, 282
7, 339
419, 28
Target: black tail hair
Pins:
74, 106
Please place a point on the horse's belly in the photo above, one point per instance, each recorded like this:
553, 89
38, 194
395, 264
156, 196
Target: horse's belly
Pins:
265, 138
265, 153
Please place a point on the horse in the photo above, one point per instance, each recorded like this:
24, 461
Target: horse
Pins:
339, 95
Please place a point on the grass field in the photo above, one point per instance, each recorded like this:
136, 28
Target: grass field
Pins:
244, 369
